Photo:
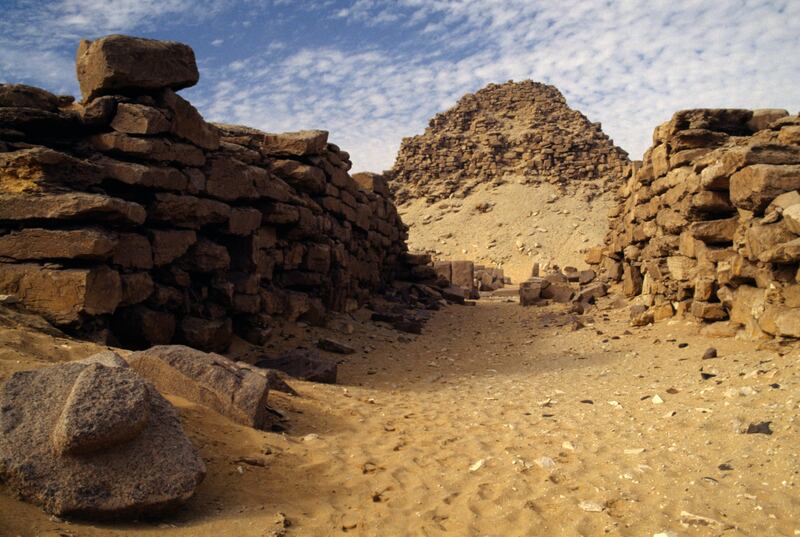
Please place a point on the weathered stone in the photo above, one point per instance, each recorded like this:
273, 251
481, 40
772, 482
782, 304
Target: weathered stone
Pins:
33, 243
62, 296
187, 123
791, 216
709, 311
140, 327
304, 364
304, 177
560, 292
463, 274
188, 211
131, 173
139, 119
38, 169
631, 280
22, 96
764, 117
208, 256
205, 334
106, 407
169, 245
136, 287
762, 238
229, 179
69, 206
133, 251
592, 292
594, 255
295, 144
40, 125
244, 221
372, 182
754, 187
714, 231
124, 64
208, 379
331, 345
146, 465
787, 252
158, 149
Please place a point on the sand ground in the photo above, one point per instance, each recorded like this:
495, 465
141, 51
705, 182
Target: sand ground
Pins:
525, 223
497, 421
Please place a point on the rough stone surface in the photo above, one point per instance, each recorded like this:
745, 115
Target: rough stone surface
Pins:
208, 379
94, 441
304, 364
124, 64
523, 129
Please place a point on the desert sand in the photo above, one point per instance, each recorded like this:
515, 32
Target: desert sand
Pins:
497, 421
523, 224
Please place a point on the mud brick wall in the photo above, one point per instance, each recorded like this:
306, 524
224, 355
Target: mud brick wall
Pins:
129, 212
709, 223
523, 129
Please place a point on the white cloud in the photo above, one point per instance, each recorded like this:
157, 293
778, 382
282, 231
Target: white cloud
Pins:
627, 63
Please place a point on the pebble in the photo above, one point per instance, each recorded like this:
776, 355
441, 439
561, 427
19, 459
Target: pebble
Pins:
477, 465
711, 352
657, 400
591, 507
545, 463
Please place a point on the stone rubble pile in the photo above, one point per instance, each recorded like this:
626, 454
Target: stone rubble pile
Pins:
581, 288
524, 129
709, 223
129, 212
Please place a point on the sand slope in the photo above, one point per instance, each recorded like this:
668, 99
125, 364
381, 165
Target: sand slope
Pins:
526, 223
500, 421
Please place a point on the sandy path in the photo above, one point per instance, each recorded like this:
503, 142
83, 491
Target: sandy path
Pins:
482, 427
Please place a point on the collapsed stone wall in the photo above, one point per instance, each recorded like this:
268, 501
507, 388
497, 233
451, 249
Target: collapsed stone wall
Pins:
130, 212
524, 129
709, 223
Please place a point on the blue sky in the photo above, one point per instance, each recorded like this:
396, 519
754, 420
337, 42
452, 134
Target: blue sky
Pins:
374, 71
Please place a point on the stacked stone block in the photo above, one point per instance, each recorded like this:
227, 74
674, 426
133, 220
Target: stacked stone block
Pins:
707, 223
523, 129
130, 211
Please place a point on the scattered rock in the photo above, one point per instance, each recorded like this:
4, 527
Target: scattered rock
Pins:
207, 379
711, 352
305, 364
331, 345
134, 459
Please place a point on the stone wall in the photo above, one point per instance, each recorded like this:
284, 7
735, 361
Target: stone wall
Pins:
129, 212
523, 129
709, 223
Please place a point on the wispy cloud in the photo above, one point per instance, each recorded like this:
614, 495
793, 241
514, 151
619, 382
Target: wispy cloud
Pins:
373, 71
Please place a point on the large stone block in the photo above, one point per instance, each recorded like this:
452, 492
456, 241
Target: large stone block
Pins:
714, 231
33, 243
62, 296
133, 65
188, 124
158, 149
212, 335
139, 119
754, 187
188, 211
233, 390
302, 176
70, 206
38, 169
463, 274
295, 144
93, 441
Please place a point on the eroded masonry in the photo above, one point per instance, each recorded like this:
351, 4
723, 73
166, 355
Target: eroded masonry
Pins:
129, 212
708, 225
